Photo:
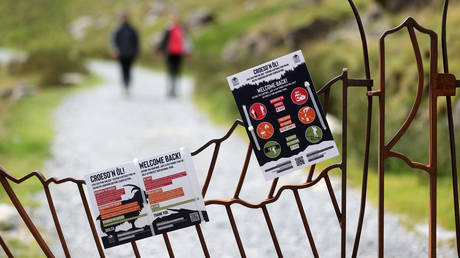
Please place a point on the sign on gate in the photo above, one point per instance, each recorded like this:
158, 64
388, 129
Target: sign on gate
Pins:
146, 197
282, 115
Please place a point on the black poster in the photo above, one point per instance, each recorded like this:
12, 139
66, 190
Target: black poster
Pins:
282, 115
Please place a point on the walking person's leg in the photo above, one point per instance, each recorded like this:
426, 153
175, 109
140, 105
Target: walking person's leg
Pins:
125, 70
174, 62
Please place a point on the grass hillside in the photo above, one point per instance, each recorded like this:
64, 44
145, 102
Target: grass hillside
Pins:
244, 33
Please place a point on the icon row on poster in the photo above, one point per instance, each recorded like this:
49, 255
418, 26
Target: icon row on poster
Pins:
306, 115
258, 111
313, 134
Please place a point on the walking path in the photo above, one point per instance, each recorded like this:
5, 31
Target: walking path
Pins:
100, 128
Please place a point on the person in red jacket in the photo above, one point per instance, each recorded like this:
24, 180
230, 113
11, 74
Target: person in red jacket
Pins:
174, 45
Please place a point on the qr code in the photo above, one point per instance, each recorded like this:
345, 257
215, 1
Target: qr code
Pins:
299, 161
194, 216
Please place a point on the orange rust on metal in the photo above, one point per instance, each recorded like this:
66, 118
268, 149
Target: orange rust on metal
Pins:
360, 83
22, 212
439, 85
446, 84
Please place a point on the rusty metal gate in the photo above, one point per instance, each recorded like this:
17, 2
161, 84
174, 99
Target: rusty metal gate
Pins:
439, 85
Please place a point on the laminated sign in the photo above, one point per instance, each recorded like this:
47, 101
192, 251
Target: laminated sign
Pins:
146, 197
283, 116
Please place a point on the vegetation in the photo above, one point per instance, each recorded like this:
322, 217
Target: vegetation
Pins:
26, 130
224, 47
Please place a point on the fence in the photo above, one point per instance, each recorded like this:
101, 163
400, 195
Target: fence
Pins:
439, 85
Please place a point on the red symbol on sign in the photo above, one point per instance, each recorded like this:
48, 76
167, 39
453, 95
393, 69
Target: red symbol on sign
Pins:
258, 111
265, 130
307, 115
299, 96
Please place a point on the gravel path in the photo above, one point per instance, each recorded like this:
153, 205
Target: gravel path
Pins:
100, 128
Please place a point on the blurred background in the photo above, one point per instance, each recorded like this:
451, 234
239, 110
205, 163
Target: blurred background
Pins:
44, 45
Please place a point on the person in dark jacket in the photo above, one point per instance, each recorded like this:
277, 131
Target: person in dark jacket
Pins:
125, 47
174, 45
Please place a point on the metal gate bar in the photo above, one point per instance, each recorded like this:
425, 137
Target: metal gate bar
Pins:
450, 121
439, 85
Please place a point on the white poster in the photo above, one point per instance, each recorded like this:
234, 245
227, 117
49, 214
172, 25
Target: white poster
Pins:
146, 197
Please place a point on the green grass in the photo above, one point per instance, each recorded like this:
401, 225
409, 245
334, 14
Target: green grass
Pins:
407, 194
22, 250
216, 37
27, 131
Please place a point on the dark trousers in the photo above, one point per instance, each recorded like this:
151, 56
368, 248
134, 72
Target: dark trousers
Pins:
126, 63
173, 62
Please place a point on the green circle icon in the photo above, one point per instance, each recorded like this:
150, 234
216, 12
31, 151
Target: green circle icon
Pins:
314, 134
272, 149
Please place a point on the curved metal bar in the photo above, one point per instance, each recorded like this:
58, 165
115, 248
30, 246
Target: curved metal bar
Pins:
444, 36
277, 195
411, 164
418, 97
225, 137
409, 22
25, 217
330, 83
40, 177
367, 69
